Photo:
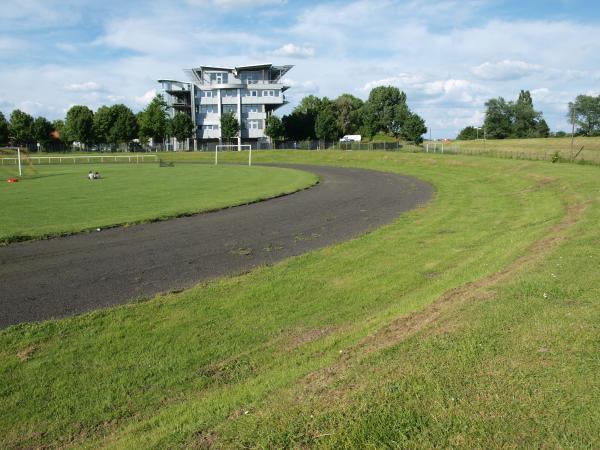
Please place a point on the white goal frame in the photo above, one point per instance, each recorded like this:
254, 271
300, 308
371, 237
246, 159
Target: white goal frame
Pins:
238, 147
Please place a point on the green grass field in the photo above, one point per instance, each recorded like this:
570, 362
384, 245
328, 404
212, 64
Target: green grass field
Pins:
471, 322
60, 199
547, 147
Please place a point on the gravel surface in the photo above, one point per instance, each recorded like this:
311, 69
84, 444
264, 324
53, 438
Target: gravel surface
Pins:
70, 275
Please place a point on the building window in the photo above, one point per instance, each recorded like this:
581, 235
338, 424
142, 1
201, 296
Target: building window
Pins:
208, 109
254, 124
252, 108
210, 127
208, 94
218, 77
250, 77
230, 108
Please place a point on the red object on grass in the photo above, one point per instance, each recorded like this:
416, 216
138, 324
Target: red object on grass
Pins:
12, 180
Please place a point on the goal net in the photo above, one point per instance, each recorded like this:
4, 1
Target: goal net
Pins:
15, 163
233, 147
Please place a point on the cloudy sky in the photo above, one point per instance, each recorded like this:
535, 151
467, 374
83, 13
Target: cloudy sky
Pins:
448, 56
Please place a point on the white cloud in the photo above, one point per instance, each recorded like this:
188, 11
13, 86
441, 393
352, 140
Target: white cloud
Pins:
298, 90
505, 70
235, 3
427, 90
146, 98
294, 51
88, 86
445, 54
12, 45
27, 14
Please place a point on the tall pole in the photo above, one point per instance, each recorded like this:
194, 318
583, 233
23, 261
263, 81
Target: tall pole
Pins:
216, 149
250, 156
484, 140
19, 160
572, 130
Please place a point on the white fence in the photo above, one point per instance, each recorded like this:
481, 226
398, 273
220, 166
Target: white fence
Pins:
48, 160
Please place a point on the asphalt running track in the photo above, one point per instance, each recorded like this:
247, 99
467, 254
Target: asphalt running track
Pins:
66, 276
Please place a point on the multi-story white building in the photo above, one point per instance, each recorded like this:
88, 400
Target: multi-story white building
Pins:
252, 93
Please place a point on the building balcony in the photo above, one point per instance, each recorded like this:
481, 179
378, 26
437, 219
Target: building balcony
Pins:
229, 100
207, 100
255, 115
208, 119
252, 133
209, 134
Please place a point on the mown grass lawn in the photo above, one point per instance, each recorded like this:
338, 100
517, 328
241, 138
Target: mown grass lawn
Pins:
471, 322
60, 199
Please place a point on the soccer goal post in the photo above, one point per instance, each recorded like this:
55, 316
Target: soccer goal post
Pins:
15, 161
232, 147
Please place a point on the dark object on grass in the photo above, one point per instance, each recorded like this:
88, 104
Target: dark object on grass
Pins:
163, 163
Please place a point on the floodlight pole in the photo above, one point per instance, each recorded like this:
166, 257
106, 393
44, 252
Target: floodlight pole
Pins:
216, 150
19, 160
572, 131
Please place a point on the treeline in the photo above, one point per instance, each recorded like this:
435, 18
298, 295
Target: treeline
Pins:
110, 125
504, 120
385, 111
584, 114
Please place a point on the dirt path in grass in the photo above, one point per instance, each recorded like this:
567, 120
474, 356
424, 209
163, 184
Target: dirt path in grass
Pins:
431, 318
65, 276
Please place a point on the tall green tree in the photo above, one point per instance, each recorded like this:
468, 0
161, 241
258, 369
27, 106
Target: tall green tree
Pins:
301, 123
348, 110
499, 118
525, 117
79, 124
274, 128
514, 119
230, 126
103, 121
585, 111
42, 130
3, 129
385, 110
542, 129
326, 122
413, 128
467, 134
115, 125
61, 132
152, 121
124, 127
181, 126
299, 126
311, 104
21, 127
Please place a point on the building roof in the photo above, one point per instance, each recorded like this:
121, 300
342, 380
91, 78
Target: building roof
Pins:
193, 74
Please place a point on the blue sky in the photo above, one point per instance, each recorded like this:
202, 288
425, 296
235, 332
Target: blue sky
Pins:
448, 56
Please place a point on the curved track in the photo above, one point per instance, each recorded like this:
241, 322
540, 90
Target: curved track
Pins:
65, 276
